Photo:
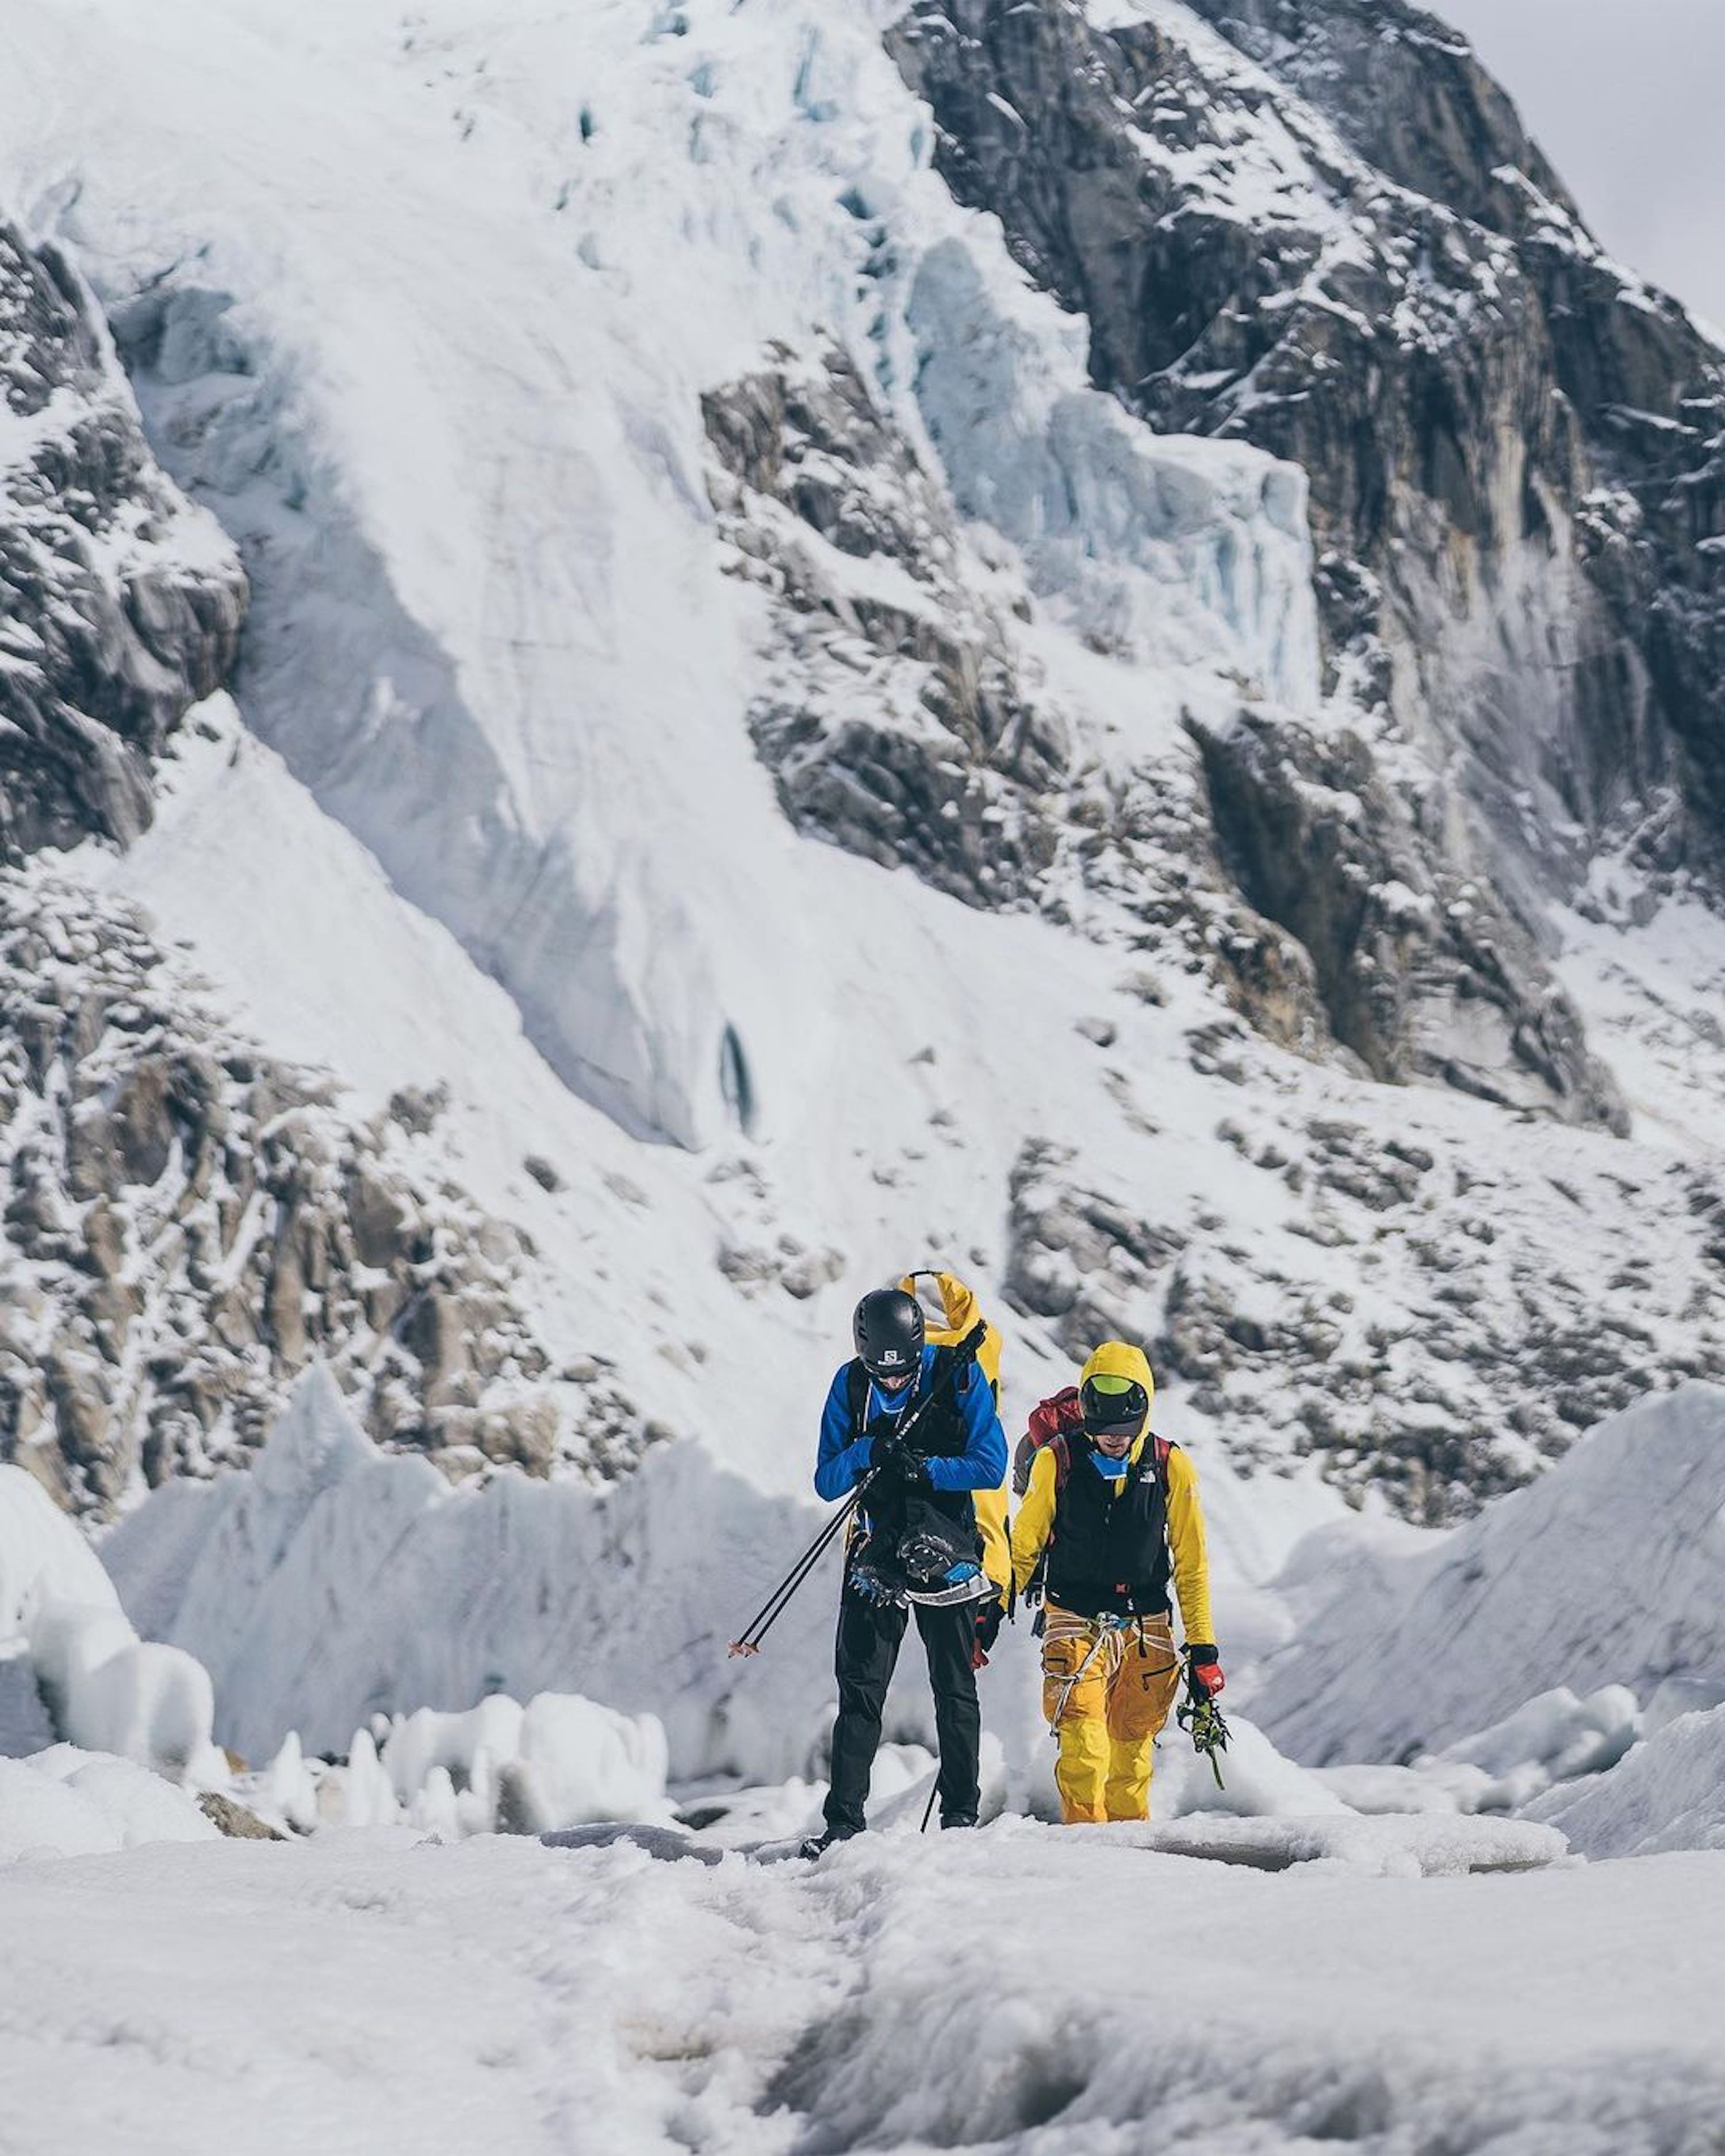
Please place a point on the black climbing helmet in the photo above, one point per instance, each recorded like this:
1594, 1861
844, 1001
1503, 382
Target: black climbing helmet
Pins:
1113, 1406
887, 1329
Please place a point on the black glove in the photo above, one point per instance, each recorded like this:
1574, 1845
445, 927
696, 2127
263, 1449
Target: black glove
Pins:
987, 1625
1204, 1671
893, 1460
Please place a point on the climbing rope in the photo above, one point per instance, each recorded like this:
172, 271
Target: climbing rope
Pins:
1111, 1636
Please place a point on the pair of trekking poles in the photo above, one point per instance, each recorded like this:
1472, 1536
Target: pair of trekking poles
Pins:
1198, 1714
748, 1641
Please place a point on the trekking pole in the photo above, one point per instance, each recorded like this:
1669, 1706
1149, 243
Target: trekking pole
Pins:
928, 1808
748, 1641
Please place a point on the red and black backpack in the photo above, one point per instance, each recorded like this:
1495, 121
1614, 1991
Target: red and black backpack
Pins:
1052, 1422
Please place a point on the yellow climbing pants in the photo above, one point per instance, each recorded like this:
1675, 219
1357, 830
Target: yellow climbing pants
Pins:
1106, 1691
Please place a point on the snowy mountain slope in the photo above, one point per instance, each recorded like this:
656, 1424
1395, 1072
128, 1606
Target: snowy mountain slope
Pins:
566, 508
189, 1221
1445, 1291
867, 249
1606, 1571
600, 551
368, 1990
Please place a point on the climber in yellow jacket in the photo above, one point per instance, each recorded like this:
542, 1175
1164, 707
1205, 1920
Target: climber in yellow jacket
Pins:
1110, 1517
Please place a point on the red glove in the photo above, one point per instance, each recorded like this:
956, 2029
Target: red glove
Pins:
1203, 1666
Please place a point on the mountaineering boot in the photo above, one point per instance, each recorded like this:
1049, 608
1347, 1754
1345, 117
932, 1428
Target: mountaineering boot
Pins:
817, 1845
957, 1820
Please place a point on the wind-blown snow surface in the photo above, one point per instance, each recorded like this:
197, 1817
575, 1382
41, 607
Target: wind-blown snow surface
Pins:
1668, 1793
1607, 1571
65, 1802
1020, 1989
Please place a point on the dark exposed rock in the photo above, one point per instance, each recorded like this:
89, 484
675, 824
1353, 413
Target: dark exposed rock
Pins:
123, 605
897, 725
234, 1819
1516, 455
1421, 971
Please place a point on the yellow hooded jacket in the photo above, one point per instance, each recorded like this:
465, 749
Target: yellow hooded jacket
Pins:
1036, 1516
960, 1311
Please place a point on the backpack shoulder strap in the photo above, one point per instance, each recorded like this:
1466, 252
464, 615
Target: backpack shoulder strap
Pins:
856, 1395
1062, 1453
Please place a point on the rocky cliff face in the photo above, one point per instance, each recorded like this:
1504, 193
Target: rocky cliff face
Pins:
1318, 225
905, 716
895, 722
187, 1223
123, 604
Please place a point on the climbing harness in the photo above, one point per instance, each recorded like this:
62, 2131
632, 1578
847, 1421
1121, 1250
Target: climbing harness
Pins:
1111, 1636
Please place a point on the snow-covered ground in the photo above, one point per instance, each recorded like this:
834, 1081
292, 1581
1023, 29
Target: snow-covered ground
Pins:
487, 815
1021, 1988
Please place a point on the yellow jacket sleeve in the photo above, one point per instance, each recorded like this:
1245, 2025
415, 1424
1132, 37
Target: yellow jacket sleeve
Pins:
1030, 1530
1185, 1540
991, 1520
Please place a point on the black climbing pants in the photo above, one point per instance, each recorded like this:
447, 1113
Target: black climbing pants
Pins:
867, 1649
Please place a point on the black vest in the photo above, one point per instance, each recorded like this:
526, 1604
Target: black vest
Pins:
939, 1434
1109, 1552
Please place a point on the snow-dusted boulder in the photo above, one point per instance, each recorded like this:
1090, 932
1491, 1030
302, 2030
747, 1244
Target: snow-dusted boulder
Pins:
1556, 1738
110, 1692
1605, 1572
72, 1649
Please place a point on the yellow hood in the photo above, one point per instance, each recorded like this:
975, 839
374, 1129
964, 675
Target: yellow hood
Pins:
1114, 1359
